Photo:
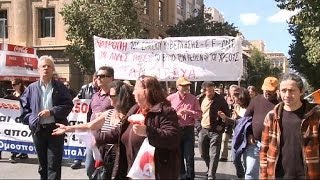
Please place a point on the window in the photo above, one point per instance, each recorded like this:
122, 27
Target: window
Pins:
3, 24
160, 10
46, 23
146, 7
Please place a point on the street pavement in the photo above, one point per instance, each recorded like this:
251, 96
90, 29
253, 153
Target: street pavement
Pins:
28, 168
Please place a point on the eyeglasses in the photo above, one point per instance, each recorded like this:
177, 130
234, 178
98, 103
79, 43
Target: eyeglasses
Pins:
112, 96
101, 76
14, 84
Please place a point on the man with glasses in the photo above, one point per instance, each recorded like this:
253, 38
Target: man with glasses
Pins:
45, 103
188, 110
100, 102
258, 109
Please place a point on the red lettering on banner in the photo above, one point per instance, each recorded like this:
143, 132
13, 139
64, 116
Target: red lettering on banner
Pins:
115, 45
103, 55
20, 49
9, 106
118, 56
80, 108
20, 61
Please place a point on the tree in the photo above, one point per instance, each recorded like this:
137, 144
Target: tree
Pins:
308, 21
259, 68
112, 19
202, 25
298, 59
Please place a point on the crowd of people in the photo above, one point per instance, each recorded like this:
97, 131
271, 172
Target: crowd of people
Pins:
275, 133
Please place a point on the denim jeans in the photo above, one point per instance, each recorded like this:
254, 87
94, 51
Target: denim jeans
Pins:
252, 161
89, 164
187, 152
239, 166
209, 147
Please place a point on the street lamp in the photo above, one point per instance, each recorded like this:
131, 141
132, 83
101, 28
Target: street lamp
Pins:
3, 29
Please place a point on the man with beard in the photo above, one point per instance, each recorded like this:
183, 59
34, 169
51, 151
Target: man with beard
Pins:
258, 109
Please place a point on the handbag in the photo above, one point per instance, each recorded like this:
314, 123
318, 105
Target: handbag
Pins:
100, 173
105, 171
143, 166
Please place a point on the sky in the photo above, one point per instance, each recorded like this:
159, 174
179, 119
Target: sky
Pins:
257, 20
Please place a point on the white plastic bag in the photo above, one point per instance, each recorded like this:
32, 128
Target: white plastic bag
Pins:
90, 142
143, 165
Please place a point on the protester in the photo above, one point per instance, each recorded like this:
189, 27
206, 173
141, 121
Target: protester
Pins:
211, 127
290, 139
122, 99
18, 87
71, 91
160, 127
100, 102
188, 109
86, 92
241, 102
44, 103
171, 90
233, 90
258, 109
252, 91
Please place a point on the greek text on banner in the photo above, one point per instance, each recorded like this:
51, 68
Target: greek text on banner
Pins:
201, 58
16, 137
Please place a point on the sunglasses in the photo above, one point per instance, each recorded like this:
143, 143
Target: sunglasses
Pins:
141, 79
101, 76
113, 96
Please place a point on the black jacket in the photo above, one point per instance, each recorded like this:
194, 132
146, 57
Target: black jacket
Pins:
218, 104
162, 132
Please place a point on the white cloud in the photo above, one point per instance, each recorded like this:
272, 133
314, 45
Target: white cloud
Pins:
249, 19
282, 16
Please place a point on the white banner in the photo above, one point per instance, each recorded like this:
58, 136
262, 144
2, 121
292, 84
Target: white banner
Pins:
201, 58
16, 137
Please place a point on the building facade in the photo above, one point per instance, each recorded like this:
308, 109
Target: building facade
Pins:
186, 9
156, 17
259, 44
38, 24
278, 60
215, 14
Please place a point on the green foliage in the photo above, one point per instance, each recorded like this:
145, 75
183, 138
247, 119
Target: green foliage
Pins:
298, 59
259, 68
308, 20
112, 19
202, 26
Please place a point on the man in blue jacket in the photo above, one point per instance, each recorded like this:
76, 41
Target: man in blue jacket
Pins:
44, 103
